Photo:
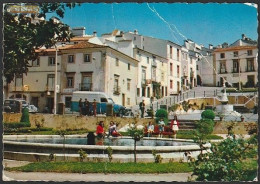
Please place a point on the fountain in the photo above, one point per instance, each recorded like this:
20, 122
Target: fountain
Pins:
226, 109
39, 147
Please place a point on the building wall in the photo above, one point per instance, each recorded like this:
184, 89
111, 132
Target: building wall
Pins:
206, 71
234, 77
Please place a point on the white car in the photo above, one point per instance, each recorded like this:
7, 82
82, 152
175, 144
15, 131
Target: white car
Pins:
32, 108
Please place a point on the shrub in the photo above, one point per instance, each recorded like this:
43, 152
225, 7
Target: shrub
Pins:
204, 126
162, 113
17, 125
25, 115
109, 153
208, 114
82, 155
157, 157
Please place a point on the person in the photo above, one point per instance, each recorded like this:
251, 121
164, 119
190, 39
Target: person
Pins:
111, 128
100, 130
161, 127
94, 105
91, 138
142, 106
80, 106
150, 128
175, 126
115, 133
86, 105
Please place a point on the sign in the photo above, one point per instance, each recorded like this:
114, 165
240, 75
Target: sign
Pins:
23, 8
57, 88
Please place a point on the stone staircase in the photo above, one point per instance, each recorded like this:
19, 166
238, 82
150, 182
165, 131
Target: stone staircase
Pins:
186, 125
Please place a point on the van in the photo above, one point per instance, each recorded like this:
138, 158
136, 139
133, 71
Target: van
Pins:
101, 98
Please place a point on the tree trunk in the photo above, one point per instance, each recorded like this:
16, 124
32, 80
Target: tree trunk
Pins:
135, 151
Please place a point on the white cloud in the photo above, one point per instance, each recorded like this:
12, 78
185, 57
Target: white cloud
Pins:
251, 4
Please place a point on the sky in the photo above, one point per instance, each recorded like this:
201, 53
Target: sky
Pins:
205, 24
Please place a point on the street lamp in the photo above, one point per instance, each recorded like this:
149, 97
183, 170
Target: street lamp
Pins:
55, 83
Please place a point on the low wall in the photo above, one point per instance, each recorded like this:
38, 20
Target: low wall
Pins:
71, 121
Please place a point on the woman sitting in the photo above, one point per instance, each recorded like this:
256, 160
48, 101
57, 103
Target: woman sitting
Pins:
150, 129
114, 131
100, 130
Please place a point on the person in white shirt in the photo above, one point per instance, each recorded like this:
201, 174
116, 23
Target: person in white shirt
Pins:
161, 127
150, 128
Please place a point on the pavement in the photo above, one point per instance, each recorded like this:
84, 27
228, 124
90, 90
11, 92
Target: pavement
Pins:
89, 177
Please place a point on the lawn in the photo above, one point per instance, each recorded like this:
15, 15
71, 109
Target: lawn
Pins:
104, 167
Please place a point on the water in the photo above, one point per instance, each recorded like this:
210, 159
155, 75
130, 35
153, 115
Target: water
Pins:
108, 142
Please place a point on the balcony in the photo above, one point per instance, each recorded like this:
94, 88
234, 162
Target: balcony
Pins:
192, 74
223, 70
250, 69
116, 90
85, 86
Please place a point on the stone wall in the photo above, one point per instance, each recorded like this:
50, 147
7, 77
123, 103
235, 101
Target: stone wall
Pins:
71, 121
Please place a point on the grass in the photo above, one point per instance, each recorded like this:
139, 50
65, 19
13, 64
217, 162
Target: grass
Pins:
104, 167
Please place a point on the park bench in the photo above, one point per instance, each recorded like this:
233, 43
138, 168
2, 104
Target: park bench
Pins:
167, 131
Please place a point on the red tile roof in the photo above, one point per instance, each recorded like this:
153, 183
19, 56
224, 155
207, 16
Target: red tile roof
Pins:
82, 45
235, 48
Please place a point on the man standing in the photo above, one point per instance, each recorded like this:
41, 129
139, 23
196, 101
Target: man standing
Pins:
86, 104
141, 106
80, 106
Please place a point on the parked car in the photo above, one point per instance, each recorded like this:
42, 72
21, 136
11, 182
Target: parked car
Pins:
32, 108
12, 105
23, 102
128, 113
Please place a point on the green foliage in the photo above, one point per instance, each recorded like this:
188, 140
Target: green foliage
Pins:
16, 125
136, 134
22, 36
173, 107
224, 161
208, 114
52, 157
185, 105
161, 113
25, 115
157, 157
82, 155
109, 153
39, 124
98, 167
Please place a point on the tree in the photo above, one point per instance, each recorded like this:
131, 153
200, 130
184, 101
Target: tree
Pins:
136, 134
161, 113
23, 35
25, 116
224, 161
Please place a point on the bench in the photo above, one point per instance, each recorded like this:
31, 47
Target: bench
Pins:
167, 131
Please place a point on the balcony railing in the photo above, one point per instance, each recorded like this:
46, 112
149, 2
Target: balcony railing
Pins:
85, 86
116, 90
250, 69
223, 70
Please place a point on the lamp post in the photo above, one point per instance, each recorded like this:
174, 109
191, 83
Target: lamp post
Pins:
55, 80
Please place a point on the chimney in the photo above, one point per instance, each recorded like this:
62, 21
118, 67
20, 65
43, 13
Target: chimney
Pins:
78, 31
135, 32
243, 36
210, 46
121, 33
94, 33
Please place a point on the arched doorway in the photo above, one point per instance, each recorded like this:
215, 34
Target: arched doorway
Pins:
199, 82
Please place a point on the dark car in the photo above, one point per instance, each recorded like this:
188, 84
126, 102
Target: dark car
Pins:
11, 105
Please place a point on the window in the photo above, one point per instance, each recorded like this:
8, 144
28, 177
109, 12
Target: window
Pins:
138, 92
50, 81
143, 76
68, 102
250, 65
103, 99
70, 82
197, 67
171, 84
190, 60
19, 80
86, 79
116, 85
51, 60
186, 56
128, 84
36, 62
235, 66
134, 38
128, 101
147, 60
178, 70
70, 58
162, 76
171, 69
171, 52
117, 62
128, 66
222, 67
222, 55
249, 52
178, 54
235, 54
87, 58
148, 92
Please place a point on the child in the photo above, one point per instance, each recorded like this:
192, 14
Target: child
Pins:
161, 127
